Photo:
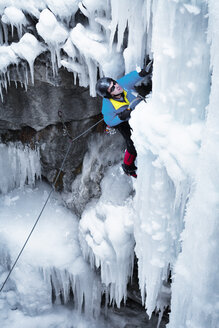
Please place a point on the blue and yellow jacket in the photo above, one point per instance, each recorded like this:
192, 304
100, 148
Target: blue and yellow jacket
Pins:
111, 107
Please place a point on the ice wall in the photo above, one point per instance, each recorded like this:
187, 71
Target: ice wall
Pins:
195, 288
168, 133
19, 165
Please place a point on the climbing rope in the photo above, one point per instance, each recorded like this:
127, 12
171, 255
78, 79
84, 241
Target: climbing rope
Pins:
51, 191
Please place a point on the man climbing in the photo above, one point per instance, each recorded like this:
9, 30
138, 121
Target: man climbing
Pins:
118, 102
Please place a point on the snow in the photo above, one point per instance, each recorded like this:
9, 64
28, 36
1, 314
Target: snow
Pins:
64, 10
28, 48
51, 261
15, 17
58, 318
49, 28
7, 57
53, 33
167, 217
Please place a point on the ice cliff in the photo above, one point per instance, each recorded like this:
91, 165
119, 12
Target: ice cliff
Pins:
167, 218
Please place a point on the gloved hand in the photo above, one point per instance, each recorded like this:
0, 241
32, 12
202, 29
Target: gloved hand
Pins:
124, 115
147, 68
135, 102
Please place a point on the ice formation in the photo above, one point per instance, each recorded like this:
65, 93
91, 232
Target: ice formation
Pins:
19, 166
51, 265
174, 155
106, 235
53, 33
15, 17
195, 283
93, 48
171, 222
28, 48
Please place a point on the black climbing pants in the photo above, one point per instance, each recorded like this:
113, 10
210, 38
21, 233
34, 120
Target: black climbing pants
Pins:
125, 130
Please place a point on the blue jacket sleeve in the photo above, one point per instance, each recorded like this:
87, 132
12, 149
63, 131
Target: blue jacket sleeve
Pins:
129, 80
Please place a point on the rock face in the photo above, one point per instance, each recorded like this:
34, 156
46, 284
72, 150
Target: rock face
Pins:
31, 116
38, 106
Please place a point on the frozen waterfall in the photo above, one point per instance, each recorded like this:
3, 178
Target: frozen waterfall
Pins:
19, 165
167, 217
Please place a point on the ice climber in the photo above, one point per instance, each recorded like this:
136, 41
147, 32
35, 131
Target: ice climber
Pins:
118, 102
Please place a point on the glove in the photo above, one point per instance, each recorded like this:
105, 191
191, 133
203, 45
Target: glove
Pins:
147, 69
135, 102
124, 115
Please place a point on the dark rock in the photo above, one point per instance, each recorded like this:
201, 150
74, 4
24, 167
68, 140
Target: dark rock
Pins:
31, 116
38, 106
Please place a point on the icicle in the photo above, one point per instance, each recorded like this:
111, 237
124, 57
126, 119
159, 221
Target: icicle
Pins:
53, 61
94, 11
1, 91
135, 52
23, 166
12, 30
14, 17
19, 30
5, 29
54, 35
8, 77
85, 287
118, 21
92, 69
28, 48
1, 34
26, 76
4, 78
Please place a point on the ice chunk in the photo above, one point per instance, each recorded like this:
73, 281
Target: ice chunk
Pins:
54, 34
109, 243
7, 57
50, 29
28, 48
192, 9
64, 10
15, 17
95, 54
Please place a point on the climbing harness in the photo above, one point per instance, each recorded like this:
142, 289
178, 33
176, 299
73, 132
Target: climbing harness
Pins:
50, 193
110, 130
